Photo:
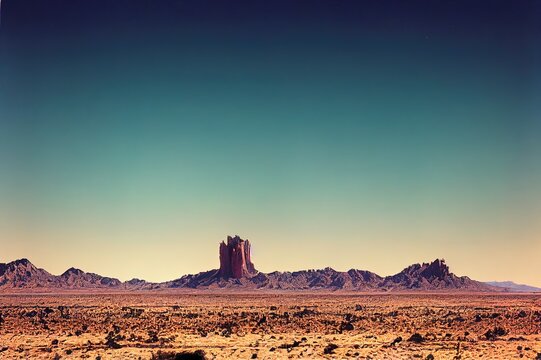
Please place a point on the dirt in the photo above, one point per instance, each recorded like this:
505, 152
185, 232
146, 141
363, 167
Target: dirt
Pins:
270, 325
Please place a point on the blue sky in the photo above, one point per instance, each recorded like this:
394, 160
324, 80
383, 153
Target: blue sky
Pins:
135, 137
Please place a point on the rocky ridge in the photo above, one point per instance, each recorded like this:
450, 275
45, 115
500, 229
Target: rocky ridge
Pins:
238, 272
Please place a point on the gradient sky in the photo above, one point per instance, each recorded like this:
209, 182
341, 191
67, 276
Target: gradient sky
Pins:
135, 135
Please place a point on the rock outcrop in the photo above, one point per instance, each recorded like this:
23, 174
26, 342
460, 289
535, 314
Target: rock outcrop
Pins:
235, 260
431, 276
76, 278
23, 274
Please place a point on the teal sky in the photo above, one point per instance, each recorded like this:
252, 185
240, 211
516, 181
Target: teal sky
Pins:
132, 142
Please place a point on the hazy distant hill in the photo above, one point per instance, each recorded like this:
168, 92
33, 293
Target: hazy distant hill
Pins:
511, 286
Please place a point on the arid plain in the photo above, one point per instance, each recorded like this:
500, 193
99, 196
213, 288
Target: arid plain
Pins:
270, 325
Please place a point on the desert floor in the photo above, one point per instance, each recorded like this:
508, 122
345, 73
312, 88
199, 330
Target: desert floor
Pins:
271, 326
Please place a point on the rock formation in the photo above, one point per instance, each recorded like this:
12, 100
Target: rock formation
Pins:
23, 274
235, 273
238, 272
235, 261
431, 276
76, 278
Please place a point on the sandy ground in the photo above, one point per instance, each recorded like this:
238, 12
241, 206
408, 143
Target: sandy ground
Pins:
271, 326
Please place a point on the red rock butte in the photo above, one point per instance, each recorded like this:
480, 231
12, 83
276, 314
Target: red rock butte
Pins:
235, 261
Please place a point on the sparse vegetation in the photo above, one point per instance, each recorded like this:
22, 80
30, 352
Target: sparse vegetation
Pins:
183, 355
264, 326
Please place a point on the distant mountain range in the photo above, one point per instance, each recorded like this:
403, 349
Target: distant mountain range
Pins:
238, 272
22, 274
514, 287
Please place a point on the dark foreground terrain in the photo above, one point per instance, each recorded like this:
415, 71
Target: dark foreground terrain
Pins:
270, 326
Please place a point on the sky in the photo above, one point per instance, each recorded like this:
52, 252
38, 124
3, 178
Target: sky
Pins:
135, 135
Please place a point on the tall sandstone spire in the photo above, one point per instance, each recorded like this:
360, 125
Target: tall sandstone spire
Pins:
235, 261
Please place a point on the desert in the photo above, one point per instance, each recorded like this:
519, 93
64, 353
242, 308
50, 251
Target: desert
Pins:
288, 325
270, 179
236, 312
